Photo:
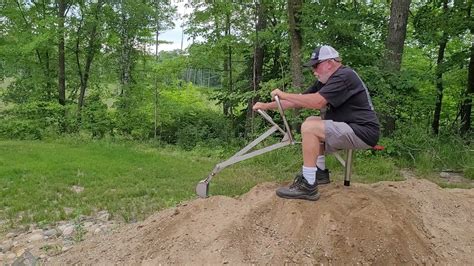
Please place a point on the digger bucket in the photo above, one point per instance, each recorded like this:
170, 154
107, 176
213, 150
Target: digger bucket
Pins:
202, 189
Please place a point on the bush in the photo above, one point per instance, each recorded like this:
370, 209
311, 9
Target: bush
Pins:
186, 119
95, 117
415, 146
33, 120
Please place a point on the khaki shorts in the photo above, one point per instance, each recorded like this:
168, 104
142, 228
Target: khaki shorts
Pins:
340, 136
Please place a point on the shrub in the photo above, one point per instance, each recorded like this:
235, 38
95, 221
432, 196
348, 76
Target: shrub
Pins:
33, 120
95, 117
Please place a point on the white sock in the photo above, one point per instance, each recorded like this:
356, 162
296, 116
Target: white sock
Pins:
309, 174
321, 162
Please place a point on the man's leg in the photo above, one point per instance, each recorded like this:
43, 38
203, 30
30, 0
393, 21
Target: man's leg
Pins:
322, 174
321, 160
305, 187
312, 132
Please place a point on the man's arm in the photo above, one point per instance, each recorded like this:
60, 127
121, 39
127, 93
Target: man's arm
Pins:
273, 105
310, 101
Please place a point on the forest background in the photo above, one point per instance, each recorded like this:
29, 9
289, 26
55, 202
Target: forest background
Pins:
82, 70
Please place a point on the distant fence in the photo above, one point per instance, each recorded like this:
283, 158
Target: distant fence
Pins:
202, 77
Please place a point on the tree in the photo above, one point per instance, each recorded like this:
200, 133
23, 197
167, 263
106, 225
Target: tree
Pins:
397, 29
294, 22
94, 26
61, 56
436, 25
466, 106
394, 44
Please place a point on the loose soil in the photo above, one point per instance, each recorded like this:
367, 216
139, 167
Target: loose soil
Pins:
409, 222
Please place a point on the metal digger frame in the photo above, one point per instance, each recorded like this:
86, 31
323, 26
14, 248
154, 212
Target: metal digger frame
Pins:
202, 188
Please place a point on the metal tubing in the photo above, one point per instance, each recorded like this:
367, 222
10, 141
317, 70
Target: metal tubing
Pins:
348, 168
339, 158
280, 108
270, 120
256, 141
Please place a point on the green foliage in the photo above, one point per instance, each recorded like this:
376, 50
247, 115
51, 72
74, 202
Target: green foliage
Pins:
32, 120
186, 120
414, 146
95, 117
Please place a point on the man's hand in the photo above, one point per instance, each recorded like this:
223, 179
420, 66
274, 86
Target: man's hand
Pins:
277, 92
260, 105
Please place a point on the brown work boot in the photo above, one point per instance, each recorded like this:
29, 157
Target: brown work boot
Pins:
300, 189
322, 177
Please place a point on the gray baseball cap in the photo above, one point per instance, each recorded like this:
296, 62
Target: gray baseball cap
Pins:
322, 53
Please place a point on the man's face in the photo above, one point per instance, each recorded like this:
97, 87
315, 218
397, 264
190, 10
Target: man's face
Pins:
322, 71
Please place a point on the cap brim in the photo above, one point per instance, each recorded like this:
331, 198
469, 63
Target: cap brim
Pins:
311, 63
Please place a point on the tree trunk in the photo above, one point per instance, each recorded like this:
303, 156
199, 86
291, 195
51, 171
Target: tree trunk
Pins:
466, 107
91, 50
61, 55
125, 58
228, 69
397, 29
258, 56
294, 21
439, 78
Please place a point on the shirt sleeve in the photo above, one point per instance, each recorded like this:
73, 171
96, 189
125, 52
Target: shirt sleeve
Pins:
313, 89
336, 91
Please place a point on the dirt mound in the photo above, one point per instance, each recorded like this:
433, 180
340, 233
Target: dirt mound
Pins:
409, 222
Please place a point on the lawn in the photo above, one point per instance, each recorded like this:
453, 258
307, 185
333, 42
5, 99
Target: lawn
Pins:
133, 180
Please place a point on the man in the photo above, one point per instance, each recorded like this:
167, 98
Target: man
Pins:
350, 121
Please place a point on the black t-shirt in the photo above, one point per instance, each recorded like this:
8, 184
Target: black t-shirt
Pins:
349, 101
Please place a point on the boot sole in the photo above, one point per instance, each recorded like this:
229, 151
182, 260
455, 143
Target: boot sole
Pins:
306, 197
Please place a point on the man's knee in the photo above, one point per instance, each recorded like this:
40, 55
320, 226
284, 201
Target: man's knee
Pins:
313, 126
310, 118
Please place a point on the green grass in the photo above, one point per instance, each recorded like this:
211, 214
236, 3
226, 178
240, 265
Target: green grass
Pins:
133, 180
128, 180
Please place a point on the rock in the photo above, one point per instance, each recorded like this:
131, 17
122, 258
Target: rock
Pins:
77, 189
445, 175
97, 231
18, 250
103, 216
66, 229
6, 246
37, 231
66, 248
91, 229
25, 259
35, 237
50, 232
88, 224
10, 255
104, 228
10, 235
2, 256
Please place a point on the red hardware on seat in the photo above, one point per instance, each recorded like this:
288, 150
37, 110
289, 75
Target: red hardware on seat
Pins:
378, 148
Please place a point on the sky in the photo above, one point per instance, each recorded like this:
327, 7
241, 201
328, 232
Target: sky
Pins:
175, 35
